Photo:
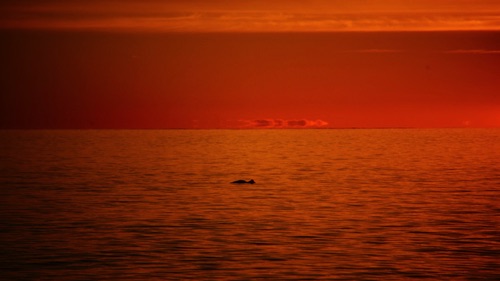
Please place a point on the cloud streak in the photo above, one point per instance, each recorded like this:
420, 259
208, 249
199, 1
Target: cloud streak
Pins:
475, 52
244, 22
283, 123
215, 16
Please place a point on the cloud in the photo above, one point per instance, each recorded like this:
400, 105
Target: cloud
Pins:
474, 52
283, 123
376, 51
460, 51
262, 123
261, 16
296, 123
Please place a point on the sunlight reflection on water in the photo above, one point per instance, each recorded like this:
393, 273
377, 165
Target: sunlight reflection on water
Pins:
328, 204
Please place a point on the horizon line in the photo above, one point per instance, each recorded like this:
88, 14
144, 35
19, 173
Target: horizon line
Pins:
243, 129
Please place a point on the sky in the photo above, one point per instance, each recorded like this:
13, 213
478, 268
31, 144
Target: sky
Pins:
249, 64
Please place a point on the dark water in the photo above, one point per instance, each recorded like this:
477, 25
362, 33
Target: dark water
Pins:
328, 204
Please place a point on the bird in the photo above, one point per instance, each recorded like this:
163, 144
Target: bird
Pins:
244, 181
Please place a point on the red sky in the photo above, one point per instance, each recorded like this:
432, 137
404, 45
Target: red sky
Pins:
266, 64
253, 15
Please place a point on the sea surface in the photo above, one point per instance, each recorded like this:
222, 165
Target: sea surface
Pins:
384, 204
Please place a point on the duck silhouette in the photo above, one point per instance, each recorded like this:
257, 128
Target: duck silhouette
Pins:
244, 181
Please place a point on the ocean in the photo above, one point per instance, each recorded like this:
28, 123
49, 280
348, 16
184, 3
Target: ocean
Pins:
347, 204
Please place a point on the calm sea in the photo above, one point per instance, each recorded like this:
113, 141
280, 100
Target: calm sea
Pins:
327, 204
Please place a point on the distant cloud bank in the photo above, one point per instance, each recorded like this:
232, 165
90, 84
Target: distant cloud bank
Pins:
283, 123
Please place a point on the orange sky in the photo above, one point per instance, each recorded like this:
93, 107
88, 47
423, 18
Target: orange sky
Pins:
253, 15
246, 64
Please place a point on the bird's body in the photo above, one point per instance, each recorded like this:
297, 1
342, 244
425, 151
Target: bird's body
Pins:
244, 181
